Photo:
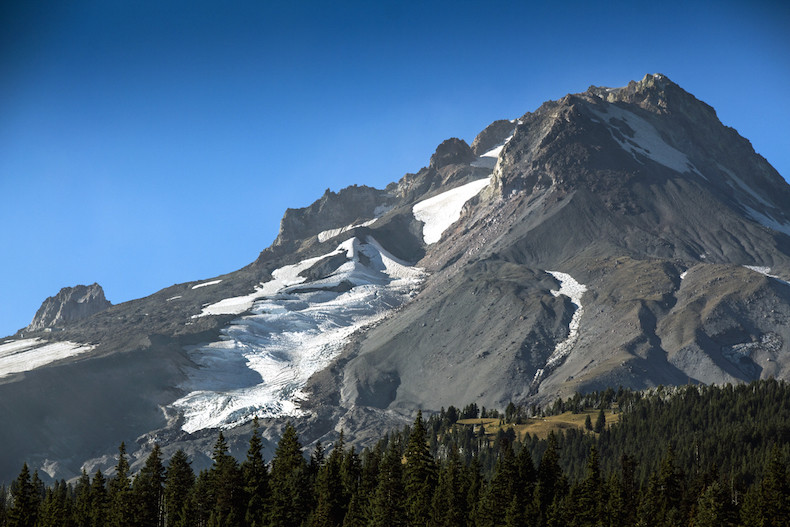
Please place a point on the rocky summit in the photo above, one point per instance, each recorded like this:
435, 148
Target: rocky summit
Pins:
616, 237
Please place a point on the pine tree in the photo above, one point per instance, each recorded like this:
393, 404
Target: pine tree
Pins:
387, 503
256, 480
419, 474
226, 486
100, 500
449, 507
289, 482
775, 491
121, 513
24, 509
549, 476
329, 493
82, 500
500, 491
148, 491
600, 422
197, 509
588, 503
56, 509
179, 479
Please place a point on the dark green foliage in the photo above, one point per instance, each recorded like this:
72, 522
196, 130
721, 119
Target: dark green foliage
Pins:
419, 474
179, 479
694, 456
256, 481
388, 503
25, 501
226, 487
121, 509
148, 490
600, 422
290, 492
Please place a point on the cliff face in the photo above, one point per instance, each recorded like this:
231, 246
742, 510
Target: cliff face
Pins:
69, 305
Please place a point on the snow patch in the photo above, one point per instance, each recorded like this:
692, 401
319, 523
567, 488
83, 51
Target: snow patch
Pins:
28, 354
765, 271
646, 140
296, 328
439, 212
331, 233
204, 284
574, 290
767, 221
683, 274
173, 298
490, 158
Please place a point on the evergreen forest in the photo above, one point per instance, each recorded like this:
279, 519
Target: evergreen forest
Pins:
694, 455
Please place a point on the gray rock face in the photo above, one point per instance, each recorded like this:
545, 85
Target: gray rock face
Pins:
452, 152
69, 305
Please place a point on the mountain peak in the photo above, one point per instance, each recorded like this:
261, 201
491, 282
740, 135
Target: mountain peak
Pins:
69, 305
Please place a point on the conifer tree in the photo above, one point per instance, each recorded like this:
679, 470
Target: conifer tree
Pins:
549, 476
289, 482
196, 511
387, 504
500, 491
148, 491
329, 493
24, 509
355, 515
57, 507
100, 500
600, 422
179, 479
256, 480
82, 500
226, 486
449, 507
121, 513
419, 474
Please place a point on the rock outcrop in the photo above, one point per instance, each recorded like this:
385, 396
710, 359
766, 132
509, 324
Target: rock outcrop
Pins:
69, 305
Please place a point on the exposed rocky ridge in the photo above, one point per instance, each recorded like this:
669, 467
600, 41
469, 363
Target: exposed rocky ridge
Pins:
638, 193
69, 305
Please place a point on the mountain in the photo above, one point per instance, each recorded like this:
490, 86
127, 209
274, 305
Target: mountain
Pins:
69, 305
620, 236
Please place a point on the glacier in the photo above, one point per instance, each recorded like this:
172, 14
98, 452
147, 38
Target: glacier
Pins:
293, 328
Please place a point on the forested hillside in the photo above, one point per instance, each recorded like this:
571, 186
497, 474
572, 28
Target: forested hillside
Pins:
696, 455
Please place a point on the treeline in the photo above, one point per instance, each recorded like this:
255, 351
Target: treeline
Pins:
683, 456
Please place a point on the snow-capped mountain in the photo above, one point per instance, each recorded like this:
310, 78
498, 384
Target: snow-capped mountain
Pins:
620, 236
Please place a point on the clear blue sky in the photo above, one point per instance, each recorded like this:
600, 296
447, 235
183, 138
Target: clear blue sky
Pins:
149, 143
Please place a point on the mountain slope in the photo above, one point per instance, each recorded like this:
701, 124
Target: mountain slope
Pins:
614, 237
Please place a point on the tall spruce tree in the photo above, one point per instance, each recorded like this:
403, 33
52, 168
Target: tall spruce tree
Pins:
148, 491
227, 487
419, 474
24, 509
179, 479
121, 512
100, 500
256, 480
289, 482
387, 506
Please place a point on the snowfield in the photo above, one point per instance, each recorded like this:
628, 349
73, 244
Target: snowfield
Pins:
574, 290
204, 284
441, 211
331, 233
646, 140
18, 356
766, 271
490, 158
296, 328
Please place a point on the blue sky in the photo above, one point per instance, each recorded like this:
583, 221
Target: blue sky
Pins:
149, 143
